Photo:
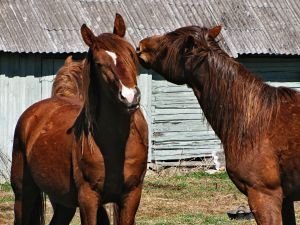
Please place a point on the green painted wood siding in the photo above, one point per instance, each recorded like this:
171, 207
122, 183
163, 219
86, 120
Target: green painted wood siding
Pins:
275, 68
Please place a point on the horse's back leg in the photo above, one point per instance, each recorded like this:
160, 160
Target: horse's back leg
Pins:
62, 215
29, 202
288, 212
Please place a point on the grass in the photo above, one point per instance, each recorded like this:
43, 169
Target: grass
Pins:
172, 197
176, 197
5, 187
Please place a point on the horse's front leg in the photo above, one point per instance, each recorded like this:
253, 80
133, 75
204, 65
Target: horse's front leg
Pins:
129, 206
266, 205
88, 201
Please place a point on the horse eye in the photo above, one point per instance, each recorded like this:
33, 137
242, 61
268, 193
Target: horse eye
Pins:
98, 64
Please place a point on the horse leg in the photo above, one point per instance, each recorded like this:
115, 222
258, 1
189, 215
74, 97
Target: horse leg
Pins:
129, 206
29, 202
88, 204
288, 212
62, 215
266, 206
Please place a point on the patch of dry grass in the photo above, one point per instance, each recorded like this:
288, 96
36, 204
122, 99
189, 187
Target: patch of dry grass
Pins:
194, 197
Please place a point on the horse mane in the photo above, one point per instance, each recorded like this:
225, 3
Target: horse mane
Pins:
68, 80
237, 104
128, 66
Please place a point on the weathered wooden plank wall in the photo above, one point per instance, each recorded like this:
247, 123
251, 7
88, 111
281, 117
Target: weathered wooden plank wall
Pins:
24, 80
179, 129
16, 95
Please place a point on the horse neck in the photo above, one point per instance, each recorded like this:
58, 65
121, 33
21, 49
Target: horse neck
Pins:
232, 100
112, 124
113, 113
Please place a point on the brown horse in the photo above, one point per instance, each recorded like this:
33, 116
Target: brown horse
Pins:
258, 125
85, 152
68, 80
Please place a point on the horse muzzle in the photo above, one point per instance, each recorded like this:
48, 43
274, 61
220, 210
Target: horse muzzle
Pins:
142, 58
130, 97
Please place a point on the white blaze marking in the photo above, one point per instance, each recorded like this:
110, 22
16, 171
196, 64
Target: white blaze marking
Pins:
113, 56
128, 93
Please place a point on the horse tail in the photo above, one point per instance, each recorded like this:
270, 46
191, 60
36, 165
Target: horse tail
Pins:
29, 204
116, 214
104, 219
102, 216
40, 209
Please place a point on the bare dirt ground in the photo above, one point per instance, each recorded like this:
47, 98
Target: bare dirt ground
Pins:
172, 197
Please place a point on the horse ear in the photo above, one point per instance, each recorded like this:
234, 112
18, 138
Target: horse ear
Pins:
119, 26
87, 35
68, 60
215, 31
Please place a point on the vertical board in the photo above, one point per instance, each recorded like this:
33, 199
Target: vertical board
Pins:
17, 93
145, 86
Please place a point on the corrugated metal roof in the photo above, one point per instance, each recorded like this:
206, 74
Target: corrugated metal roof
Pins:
250, 26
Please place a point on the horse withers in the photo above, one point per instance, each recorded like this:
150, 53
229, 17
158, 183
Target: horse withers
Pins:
258, 125
85, 152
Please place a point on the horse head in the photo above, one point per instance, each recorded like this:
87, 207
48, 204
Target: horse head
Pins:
111, 66
175, 55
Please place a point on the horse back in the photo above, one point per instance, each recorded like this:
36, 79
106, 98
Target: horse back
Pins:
45, 116
42, 133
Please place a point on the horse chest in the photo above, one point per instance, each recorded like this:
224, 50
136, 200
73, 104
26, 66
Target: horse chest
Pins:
103, 167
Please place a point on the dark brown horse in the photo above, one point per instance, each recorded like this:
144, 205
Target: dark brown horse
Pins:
259, 125
85, 152
68, 80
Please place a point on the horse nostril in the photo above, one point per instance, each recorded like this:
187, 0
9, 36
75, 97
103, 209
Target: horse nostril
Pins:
121, 96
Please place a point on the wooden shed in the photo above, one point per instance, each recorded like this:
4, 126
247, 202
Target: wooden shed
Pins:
36, 37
